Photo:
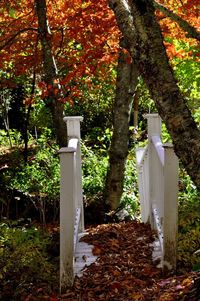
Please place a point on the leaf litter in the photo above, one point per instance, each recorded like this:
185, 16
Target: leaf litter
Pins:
124, 270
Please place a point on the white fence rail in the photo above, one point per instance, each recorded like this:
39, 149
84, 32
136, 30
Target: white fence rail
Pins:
71, 201
158, 188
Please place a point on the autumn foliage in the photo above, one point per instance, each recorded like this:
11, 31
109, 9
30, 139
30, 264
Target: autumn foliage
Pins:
189, 11
84, 39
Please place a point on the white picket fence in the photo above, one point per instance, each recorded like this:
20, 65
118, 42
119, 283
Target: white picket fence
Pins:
71, 201
158, 189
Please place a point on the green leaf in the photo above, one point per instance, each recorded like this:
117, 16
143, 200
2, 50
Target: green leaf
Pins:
12, 13
196, 267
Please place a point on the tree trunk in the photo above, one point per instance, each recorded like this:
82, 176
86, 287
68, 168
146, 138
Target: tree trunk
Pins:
125, 88
135, 110
147, 50
5, 109
50, 73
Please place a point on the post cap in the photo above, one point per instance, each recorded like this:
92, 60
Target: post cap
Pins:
70, 118
65, 150
153, 115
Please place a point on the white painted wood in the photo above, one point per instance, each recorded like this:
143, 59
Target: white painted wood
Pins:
83, 256
73, 126
76, 226
139, 155
73, 131
141, 152
71, 201
146, 188
139, 160
141, 188
67, 212
143, 182
170, 225
73, 143
154, 129
154, 125
157, 183
158, 146
160, 171
79, 192
159, 227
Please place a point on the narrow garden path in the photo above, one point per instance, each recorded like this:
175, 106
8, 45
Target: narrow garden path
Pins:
124, 269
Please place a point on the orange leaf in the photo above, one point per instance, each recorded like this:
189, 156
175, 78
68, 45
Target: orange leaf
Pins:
96, 250
137, 296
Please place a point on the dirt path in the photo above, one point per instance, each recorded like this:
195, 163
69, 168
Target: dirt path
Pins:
124, 270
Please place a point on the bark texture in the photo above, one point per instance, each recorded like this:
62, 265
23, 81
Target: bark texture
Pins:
148, 52
125, 87
50, 73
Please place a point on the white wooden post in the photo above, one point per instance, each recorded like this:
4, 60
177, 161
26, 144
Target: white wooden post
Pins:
170, 224
162, 176
70, 199
154, 129
146, 190
67, 211
142, 167
73, 131
139, 155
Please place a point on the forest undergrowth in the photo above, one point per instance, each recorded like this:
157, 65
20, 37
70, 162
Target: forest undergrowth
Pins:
29, 235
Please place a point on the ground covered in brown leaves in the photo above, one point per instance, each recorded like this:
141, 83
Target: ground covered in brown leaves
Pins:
124, 270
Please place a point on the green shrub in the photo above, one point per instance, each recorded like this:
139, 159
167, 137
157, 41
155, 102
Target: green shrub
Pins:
10, 138
94, 167
189, 224
130, 197
24, 262
40, 176
38, 181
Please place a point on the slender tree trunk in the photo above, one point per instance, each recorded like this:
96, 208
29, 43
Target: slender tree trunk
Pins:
147, 50
27, 119
136, 109
125, 88
5, 116
26, 124
50, 73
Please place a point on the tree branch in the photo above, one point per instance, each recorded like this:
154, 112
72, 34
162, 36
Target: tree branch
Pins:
191, 31
9, 41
